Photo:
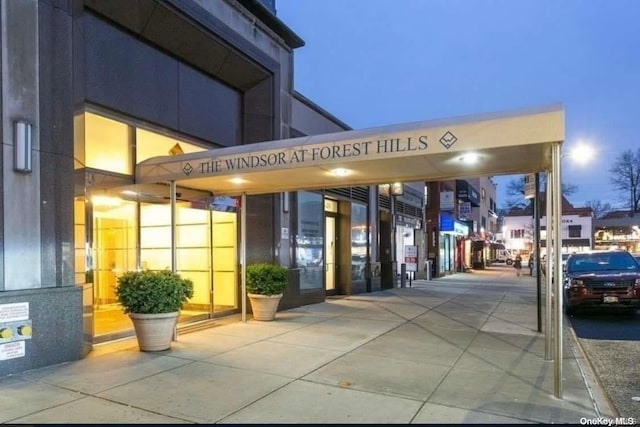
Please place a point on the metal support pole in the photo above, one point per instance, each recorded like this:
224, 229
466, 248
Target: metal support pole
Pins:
174, 252
172, 198
557, 273
549, 269
243, 254
536, 258
394, 256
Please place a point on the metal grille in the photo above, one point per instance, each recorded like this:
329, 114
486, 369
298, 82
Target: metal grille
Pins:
340, 192
384, 202
361, 194
410, 210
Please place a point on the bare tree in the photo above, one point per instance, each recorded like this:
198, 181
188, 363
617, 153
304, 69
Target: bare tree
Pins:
625, 177
599, 209
515, 190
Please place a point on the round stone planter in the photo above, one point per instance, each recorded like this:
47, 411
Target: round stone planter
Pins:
154, 331
264, 307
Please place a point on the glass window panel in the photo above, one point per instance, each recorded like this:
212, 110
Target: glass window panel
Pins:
150, 144
192, 235
224, 290
201, 288
224, 259
155, 259
107, 144
224, 228
155, 214
192, 259
358, 240
155, 237
79, 155
310, 239
192, 216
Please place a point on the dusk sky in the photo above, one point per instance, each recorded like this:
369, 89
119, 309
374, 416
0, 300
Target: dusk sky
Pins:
378, 62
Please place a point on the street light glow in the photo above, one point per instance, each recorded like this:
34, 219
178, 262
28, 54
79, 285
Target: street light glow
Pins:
581, 153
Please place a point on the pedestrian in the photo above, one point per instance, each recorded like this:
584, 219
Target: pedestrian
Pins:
517, 264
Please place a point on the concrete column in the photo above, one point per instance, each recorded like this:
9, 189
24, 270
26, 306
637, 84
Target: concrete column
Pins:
20, 101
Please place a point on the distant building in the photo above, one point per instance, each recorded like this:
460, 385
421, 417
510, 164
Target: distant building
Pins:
617, 230
518, 228
461, 224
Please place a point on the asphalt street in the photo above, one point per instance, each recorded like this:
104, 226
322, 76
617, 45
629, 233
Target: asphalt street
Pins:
611, 342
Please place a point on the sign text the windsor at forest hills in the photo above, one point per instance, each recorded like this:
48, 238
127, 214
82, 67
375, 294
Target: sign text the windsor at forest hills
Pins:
312, 154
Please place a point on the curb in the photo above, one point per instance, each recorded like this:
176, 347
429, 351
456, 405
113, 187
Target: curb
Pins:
601, 402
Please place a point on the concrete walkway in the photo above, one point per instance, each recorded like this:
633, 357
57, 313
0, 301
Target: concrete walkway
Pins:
461, 349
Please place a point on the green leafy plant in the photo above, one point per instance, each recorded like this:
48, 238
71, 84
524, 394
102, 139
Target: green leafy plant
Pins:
266, 279
152, 292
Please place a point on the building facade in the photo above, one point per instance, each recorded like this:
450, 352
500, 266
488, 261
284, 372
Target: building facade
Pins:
460, 224
92, 88
617, 230
518, 228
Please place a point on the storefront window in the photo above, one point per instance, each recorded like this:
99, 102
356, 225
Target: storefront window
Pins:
309, 240
358, 241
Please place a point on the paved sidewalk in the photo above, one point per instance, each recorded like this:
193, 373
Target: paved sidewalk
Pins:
461, 349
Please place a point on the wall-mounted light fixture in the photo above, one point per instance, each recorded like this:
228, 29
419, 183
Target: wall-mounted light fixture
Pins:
397, 189
22, 143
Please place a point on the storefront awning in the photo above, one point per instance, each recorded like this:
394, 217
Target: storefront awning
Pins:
512, 143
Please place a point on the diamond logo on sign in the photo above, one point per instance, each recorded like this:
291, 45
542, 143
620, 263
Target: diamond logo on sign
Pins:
187, 169
448, 139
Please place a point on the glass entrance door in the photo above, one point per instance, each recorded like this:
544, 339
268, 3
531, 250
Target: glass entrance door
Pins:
330, 254
114, 252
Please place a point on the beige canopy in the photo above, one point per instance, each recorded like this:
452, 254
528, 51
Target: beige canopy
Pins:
422, 151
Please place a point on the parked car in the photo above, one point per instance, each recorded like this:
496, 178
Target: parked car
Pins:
601, 279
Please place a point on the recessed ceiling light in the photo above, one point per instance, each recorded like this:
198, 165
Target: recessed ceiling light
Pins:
469, 158
340, 172
238, 181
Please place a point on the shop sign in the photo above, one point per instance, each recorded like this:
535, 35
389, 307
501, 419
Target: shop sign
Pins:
411, 257
446, 200
408, 221
464, 210
530, 186
446, 222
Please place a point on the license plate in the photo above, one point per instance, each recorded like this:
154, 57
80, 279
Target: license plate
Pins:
610, 299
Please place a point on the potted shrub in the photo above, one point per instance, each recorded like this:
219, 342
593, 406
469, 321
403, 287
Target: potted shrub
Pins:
265, 284
153, 300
